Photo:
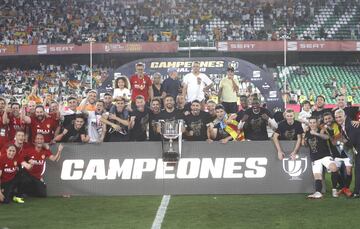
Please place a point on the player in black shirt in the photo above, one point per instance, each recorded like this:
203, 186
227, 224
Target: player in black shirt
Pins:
288, 129
339, 152
316, 140
196, 123
117, 122
154, 119
139, 119
74, 132
255, 122
320, 108
218, 129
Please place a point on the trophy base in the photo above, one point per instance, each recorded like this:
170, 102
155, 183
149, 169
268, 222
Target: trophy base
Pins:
170, 156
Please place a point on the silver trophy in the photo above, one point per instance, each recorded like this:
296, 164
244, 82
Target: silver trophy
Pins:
171, 130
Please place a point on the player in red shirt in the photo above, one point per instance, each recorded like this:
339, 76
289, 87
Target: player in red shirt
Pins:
358, 116
141, 84
32, 182
4, 121
9, 176
40, 124
19, 143
16, 121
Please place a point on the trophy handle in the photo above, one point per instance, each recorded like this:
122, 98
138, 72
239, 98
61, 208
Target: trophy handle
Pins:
180, 137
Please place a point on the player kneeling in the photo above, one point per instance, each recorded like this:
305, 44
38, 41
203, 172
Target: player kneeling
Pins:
316, 140
32, 182
9, 168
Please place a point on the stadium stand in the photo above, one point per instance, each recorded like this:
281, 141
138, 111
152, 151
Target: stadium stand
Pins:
69, 21
322, 80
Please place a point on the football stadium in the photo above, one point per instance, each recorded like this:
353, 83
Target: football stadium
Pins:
179, 114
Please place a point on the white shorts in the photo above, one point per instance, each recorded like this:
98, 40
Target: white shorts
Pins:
317, 166
347, 161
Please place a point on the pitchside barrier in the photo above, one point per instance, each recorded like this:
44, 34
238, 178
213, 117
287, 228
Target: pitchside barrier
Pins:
130, 168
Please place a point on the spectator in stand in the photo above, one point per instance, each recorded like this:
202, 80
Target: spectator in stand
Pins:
228, 89
171, 85
4, 121
122, 88
139, 119
195, 84
141, 84
75, 132
157, 86
196, 123
289, 130
9, 175
32, 181
117, 122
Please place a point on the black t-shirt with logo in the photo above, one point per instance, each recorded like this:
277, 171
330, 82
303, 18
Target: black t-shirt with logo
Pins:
138, 132
171, 116
73, 135
255, 127
289, 132
197, 124
113, 135
318, 147
153, 119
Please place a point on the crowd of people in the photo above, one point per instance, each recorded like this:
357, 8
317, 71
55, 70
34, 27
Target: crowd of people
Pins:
67, 21
138, 105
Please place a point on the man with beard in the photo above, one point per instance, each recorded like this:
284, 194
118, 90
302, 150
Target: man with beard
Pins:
196, 123
320, 108
88, 103
155, 108
4, 121
139, 119
340, 153
40, 124
32, 182
75, 132
180, 104
95, 128
117, 122
352, 136
108, 102
16, 120
170, 113
255, 122
68, 116
290, 130
316, 140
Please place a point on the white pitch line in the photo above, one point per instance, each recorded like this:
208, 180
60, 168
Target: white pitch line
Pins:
160, 214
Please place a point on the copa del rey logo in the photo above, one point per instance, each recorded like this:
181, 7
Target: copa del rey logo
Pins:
295, 167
